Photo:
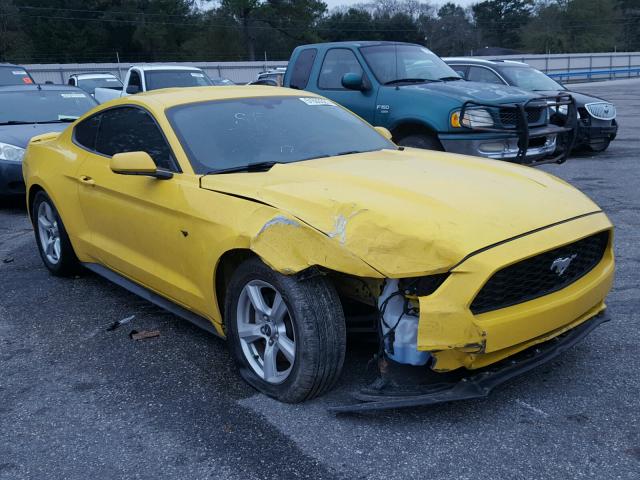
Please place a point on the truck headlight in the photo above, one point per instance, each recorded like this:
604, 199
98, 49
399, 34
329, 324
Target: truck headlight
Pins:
473, 118
11, 153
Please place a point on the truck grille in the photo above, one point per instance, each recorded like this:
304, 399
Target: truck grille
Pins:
540, 275
601, 110
535, 116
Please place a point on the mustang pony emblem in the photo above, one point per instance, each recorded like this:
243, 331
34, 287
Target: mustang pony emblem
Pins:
560, 264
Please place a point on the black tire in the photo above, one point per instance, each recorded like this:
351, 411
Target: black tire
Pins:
319, 327
68, 264
599, 146
421, 140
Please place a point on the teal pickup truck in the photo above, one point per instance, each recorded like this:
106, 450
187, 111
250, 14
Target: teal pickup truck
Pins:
424, 103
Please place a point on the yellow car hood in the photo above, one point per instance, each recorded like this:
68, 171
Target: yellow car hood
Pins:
411, 212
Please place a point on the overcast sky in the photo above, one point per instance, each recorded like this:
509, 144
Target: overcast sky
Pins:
335, 3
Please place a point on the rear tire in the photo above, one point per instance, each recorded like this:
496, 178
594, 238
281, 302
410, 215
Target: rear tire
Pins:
53, 242
421, 140
292, 345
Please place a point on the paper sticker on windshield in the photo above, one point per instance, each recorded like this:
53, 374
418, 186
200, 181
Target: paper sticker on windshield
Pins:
112, 79
317, 101
72, 95
199, 75
68, 117
18, 72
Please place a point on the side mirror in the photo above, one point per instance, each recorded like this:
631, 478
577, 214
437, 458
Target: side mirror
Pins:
133, 89
353, 81
384, 132
137, 163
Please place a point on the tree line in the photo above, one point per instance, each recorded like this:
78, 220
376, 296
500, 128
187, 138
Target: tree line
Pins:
69, 31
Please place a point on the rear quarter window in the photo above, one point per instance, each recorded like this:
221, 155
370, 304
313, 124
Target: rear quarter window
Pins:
302, 68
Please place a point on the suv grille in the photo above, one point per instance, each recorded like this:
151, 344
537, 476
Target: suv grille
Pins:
601, 110
509, 116
540, 275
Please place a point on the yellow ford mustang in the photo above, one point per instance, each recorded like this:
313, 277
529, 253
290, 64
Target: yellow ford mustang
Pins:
279, 220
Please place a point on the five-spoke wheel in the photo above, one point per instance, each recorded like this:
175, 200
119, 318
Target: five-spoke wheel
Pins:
287, 335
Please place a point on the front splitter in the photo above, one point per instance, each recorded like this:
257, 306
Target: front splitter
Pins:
477, 385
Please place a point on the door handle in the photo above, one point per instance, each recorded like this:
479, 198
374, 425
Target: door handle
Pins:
87, 180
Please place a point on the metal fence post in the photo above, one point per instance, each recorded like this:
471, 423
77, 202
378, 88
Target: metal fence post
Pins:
590, 66
610, 66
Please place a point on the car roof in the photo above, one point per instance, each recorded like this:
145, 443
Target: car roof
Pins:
11, 65
40, 87
484, 61
147, 68
365, 43
171, 97
88, 75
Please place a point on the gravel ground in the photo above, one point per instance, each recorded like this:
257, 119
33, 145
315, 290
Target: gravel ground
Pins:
78, 402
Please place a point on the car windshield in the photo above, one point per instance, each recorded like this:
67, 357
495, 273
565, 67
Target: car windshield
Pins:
412, 62
230, 134
175, 78
35, 106
529, 79
14, 76
90, 84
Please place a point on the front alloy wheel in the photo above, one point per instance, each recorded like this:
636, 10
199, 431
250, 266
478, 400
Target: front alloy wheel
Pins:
287, 336
266, 332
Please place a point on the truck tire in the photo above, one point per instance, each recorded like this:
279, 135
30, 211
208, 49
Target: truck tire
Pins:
287, 336
421, 140
51, 237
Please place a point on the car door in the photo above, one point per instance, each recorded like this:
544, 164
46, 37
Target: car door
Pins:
337, 62
137, 223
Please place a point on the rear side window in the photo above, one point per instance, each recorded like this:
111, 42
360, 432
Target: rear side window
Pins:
302, 68
86, 131
481, 74
337, 62
130, 129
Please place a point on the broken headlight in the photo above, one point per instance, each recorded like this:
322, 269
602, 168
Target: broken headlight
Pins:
422, 286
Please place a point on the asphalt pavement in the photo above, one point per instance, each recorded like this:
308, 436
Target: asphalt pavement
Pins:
80, 402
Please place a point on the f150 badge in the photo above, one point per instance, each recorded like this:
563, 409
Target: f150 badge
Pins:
561, 264
383, 108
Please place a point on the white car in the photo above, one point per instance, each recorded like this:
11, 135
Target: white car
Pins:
91, 80
143, 78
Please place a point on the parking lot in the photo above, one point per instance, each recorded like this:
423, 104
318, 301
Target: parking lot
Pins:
78, 401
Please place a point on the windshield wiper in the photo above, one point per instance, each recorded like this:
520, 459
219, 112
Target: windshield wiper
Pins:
409, 80
36, 122
449, 79
249, 167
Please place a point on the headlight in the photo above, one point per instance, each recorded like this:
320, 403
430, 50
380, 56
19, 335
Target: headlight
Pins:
473, 118
11, 153
561, 109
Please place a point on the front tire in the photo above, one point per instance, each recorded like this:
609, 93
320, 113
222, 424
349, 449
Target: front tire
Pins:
51, 237
287, 336
421, 140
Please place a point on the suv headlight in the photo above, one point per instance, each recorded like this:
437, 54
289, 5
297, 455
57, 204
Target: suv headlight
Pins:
473, 118
11, 153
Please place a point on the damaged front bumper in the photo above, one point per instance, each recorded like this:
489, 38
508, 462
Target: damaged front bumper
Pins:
477, 385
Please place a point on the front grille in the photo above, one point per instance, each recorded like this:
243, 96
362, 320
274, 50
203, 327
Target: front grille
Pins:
601, 110
509, 116
541, 275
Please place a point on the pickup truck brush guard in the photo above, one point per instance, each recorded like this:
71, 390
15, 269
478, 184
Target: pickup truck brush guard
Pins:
518, 117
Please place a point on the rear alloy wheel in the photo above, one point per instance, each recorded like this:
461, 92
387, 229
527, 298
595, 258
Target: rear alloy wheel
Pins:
51, 237
287, 336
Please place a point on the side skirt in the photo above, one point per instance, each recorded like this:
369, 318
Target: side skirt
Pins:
152, 297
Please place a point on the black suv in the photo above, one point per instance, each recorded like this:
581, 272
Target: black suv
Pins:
597, 125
